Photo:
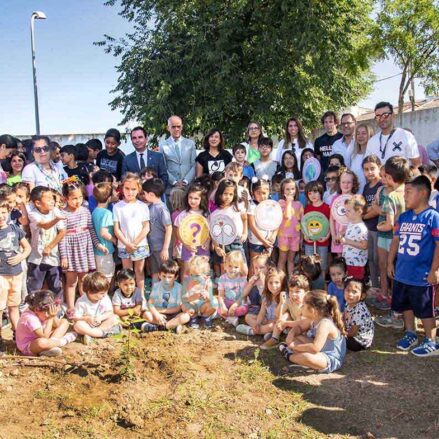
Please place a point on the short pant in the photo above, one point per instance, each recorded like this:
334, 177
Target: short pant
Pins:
257, 248
334, 364
419, 299
138, 254
288, 243
237, 245
384, 243
10, 290
105, 264
357, 272
154, 262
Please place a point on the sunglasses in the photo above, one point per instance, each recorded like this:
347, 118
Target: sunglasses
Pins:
382, 116
42, 149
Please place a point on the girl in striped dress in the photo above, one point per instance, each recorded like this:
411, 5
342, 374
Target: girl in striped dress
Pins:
76, 247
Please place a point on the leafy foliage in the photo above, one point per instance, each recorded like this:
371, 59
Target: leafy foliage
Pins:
409, 32
224, 63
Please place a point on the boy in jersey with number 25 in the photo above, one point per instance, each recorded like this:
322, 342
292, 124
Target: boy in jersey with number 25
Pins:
416, 245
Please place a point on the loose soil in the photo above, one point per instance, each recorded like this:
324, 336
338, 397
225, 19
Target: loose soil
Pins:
216, 384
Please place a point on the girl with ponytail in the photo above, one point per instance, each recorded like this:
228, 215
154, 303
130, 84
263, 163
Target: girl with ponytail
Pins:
319, 338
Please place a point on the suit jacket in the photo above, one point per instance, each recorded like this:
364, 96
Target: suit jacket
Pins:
152, 159
179, 168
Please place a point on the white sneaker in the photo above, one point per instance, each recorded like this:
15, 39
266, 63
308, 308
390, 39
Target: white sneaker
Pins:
244, 329
54, 352
233, 321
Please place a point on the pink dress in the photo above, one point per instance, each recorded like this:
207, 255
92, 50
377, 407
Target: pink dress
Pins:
288, 235
25, 335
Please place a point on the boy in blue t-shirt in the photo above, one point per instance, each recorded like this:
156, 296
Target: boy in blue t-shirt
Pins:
102, 220
415, 246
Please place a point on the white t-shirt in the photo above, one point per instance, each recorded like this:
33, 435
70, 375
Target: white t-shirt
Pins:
40, 237
356, 165
130, 217
84, 307
401, 142
32, 173
129, 302
354, 256
340, 147
297, 150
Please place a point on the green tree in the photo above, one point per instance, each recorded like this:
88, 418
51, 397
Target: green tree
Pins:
224, 63
409, 32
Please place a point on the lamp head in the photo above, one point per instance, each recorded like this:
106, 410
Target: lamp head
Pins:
39, 15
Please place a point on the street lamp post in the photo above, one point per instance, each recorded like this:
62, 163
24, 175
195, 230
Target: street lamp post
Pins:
37, 15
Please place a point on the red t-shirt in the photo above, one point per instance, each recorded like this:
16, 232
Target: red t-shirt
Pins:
325, 209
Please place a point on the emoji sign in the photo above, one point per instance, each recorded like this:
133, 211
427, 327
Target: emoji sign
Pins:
338, 209
194, 230
311, 170
223, 229
315, 226
268, 215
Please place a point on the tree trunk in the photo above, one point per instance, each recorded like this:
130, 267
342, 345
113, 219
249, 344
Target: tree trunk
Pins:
401, 94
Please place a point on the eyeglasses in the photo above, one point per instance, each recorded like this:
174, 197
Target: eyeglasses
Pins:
346, 124
328, 179
383, 115
40, 150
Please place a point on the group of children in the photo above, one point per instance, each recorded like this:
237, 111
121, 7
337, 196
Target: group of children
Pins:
75, 263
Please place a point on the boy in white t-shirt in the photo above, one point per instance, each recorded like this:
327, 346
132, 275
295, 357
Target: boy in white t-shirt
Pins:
94, 316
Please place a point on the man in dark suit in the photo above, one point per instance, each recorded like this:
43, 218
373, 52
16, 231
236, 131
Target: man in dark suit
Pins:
142, 157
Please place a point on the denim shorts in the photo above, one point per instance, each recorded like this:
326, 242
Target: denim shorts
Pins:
137, 255
257, 248
384, 243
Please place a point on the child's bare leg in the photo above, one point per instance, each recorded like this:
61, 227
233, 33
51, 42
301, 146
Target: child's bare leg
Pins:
108, 323
282, 262
140, 275
429, 328
84, 328
62, 326
382, 258
180, 319
267, 328
70, 291
127, 263
80, 279
14, 315
294, 340
251, 319
147, 315
291, 256
206, 310
314, 361
44, 344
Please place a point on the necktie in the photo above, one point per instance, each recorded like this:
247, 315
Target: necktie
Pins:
142, 162
177, 149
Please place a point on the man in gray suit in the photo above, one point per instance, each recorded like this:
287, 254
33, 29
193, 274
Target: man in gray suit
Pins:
179, 154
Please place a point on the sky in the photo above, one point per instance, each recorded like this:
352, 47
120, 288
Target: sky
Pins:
74, 76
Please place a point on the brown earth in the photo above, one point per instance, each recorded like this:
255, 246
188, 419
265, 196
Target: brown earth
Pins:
216, 384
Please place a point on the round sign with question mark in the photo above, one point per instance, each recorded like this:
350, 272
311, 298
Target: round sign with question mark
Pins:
194, 230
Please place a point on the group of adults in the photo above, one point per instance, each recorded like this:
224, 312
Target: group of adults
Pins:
177, 163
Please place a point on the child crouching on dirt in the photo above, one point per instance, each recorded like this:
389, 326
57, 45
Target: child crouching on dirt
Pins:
197, 297
39, 331
319, 341
165, 302
128, 301
94, 316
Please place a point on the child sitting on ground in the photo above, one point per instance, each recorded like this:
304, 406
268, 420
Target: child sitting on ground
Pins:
291, 311
337, 271
356, 316
39, 330
94, 316
231, 287
127, 299
318, 340
197, 298
165, 302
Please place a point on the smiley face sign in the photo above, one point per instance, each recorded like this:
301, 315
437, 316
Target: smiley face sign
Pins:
315, 226
338, 209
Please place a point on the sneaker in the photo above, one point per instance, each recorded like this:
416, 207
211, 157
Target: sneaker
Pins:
69, 337
149, 327
178, 329
87, 339
54, 352
271, 343
244, 329
114, 330
233, 321
382, 306
390, 321
426, 349
193, 323
285, 351
267, 336
407, 342
207, 322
